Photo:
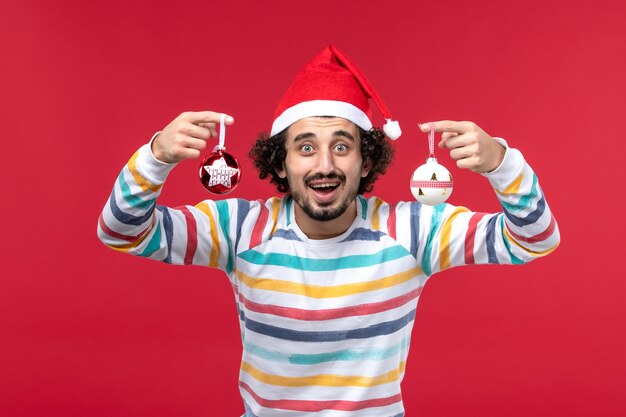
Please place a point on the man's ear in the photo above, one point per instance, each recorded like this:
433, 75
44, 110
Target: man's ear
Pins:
281, 172
366, 168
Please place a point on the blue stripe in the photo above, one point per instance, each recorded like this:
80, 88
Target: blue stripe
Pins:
340, 355
415, 210
133, 200
531, 218
435, 223
514, 259
364, 234
224, 219
249, 412
128, 218
379, 329
525, 201
168, 226
310, 264
491, 241
286, 234
243, 208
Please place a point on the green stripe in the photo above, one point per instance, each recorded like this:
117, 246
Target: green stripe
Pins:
288, 209
133, 200
525, 201
224, 219
514, 259
310, 264
154, 244
435, 223
363, 207
340, 355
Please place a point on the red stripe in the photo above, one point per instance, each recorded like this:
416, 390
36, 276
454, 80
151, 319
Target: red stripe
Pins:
432, 184
257, 232
332, 313
391, 222
192, 235
469, 237
539, 237
316, 406
108, 231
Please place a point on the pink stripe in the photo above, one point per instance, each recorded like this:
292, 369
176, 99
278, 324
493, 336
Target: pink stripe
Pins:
108, 231
316, 406
391, 222
333, 313
257, 232
539, 237
432, 184
192, 235
469, 237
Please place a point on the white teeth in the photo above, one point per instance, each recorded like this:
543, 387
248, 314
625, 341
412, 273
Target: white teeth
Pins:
324, 185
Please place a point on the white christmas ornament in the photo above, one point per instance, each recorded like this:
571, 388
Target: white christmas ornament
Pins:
431, 183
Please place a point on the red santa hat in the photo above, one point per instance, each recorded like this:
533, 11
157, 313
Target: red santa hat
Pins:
331, 85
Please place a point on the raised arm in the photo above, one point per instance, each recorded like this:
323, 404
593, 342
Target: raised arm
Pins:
450, 236
132, 222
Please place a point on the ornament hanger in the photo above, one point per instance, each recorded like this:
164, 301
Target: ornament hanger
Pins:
219, 171
431, 183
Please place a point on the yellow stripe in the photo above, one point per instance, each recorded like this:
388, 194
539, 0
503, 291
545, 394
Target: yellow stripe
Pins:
139, 179
446, 232
513, 188
275, 210
319, 291
215, 243
327, 380
530, 252
375, 219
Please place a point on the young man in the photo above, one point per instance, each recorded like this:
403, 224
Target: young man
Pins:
325, 280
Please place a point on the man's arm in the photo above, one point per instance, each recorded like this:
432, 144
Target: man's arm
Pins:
132, 222
448, 236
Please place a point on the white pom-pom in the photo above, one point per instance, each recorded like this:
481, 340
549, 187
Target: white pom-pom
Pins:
392, 129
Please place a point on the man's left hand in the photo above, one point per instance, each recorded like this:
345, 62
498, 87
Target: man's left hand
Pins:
469, 145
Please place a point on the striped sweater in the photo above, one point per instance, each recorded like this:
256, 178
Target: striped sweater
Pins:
326, 324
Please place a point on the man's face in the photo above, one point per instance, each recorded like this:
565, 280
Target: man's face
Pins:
323, 165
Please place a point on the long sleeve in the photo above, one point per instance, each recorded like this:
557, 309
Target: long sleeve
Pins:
445, 236
132, 222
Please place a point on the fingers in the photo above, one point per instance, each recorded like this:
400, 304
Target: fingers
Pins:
444, 139
205, 117
449, 126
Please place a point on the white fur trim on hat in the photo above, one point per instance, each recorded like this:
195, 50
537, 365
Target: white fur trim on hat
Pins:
321, 108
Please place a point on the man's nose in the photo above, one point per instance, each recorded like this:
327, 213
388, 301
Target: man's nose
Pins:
326, 162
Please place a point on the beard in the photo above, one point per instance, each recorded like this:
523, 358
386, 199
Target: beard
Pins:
326, 212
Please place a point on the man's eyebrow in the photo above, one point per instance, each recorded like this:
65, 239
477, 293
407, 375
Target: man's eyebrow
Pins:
345, 134
303, 136
340, 133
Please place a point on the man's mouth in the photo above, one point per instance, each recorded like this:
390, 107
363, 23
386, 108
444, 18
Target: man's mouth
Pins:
325, 187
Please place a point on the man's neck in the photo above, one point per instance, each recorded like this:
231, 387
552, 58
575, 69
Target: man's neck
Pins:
324, 229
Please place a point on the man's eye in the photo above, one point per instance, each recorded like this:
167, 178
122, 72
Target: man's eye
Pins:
341, 147
306, 148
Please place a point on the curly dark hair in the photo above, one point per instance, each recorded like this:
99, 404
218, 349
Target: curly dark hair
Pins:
268, 154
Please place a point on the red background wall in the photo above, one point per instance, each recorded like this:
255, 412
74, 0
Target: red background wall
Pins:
85, 331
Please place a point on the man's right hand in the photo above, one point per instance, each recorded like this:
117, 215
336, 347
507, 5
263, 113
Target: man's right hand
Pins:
185, 137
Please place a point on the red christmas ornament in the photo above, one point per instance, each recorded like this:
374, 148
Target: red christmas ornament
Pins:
219, 171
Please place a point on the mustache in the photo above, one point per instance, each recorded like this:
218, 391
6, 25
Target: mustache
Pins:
330, 176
